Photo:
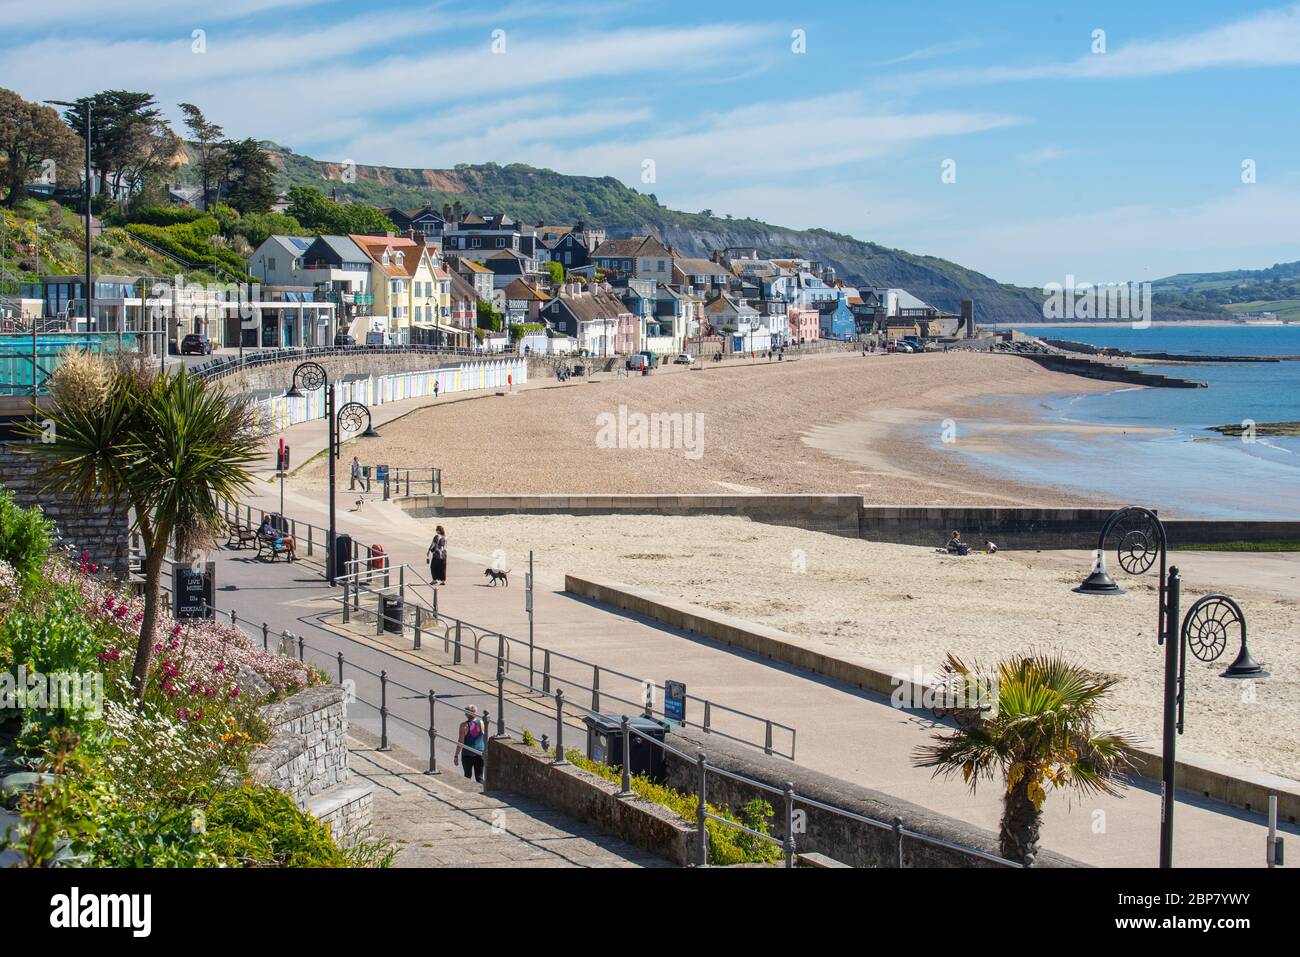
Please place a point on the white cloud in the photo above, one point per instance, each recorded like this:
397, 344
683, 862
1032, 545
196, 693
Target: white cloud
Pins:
1271, 38
23, 13
1246, 226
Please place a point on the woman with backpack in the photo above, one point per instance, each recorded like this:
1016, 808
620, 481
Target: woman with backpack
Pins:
472, 740
438, 557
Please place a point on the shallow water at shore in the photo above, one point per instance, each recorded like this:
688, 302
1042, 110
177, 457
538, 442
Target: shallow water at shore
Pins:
1188, 469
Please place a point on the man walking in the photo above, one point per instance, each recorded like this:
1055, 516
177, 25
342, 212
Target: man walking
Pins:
356, 475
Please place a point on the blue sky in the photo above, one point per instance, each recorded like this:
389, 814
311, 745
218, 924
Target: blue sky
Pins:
1108, 166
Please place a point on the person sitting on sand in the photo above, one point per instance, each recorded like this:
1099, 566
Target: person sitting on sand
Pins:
955, 545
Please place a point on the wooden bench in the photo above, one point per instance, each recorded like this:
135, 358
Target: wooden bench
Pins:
266, 546
239, 535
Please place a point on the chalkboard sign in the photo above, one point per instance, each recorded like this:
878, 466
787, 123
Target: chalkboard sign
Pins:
675, 702
381, 473
193, 592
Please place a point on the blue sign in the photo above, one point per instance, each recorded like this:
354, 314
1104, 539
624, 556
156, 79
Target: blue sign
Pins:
675, 702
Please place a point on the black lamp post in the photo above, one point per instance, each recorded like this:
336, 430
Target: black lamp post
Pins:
1204, 628
90, 289
312, 376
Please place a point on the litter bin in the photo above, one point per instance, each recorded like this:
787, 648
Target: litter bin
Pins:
393, 607
605, 743
342, 554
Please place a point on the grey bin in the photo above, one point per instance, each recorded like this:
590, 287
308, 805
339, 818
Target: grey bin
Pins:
393, 608
605, 743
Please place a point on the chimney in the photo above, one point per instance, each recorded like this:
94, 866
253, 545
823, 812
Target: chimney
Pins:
418, 236
446, 212
456, 210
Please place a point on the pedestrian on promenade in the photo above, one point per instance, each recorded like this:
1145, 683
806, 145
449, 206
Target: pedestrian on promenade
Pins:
471, 739
356, 474
435, 388
438, 557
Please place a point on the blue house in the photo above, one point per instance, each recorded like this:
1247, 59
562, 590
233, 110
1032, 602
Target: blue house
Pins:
837, 320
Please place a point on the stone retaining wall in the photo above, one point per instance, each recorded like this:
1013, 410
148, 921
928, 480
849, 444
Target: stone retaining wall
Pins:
95, 529
512, 766
839, 838
1010, 528
307, 758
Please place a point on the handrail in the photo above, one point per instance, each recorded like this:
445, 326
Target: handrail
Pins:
791, 798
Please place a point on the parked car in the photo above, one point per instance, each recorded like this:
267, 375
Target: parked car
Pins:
901, 345
342, 339
915, 342
650, 357
197, 345
684, 359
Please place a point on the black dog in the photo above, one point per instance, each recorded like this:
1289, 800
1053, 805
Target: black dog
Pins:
497, 576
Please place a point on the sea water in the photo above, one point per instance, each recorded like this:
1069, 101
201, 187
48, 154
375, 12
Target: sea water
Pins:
1189, 471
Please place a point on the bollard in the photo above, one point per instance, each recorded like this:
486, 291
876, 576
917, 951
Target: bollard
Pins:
379, 613
595, 688
302, 645
385, 488
383, 710
702, 813
559, 728
418, 610
627, 760
708, 715
433, 735
767, 738
401, 582
788, 843
340, 667
356, 594
347, 605
234, 620
501, 701
455, 659
898, 838
546, 672
266, 631
309, 528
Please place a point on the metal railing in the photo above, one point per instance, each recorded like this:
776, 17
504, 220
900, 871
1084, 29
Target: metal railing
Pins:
786, 798
542, 667
545, 667
223, 366
404, 482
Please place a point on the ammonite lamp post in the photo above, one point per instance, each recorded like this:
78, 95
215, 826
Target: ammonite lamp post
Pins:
312, 376
1142, 539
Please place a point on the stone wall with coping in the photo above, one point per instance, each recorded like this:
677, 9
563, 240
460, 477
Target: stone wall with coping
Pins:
307, 758
96, 530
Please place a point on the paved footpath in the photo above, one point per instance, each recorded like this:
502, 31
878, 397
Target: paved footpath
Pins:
843, 731
445, 821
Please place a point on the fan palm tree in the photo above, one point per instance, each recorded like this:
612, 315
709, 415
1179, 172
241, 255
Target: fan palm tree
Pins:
1037, 732
169, 447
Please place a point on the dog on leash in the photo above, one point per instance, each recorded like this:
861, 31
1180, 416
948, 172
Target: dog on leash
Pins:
495, 576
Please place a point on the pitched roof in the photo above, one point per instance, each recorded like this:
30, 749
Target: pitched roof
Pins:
518, 289
632, 246
473, 265
700, 267
345, 248
405, 265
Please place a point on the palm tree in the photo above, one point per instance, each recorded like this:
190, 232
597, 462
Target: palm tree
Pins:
1036, 730
169, 447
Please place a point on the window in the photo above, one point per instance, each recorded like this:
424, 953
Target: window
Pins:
501, 242
475, 243
270, 262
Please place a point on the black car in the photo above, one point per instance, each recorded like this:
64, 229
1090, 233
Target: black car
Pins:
196, 345
342, 339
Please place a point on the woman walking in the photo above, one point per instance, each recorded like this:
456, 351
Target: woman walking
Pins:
438, 557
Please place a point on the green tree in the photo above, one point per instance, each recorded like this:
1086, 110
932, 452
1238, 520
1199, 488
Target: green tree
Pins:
207, 137
129, 138
556, 271
249, 184
489, 316
169, 447
30, 134
1032, 722
316, 212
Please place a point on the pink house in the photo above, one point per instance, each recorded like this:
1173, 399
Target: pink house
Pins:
805, 324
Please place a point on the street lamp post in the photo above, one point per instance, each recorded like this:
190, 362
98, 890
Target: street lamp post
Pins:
310, 376
90, 289
1204, 628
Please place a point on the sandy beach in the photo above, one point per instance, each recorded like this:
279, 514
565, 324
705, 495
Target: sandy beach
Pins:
881, 426
908, 607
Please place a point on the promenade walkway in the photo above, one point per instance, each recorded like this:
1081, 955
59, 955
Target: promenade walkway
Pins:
446, 821
843, 731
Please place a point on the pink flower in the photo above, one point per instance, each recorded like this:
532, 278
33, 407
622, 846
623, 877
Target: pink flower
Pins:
234, 692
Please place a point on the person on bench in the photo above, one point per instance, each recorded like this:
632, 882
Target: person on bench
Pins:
279, 542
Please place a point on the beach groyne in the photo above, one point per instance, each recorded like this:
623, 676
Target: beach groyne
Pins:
1109, 372
849, 515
